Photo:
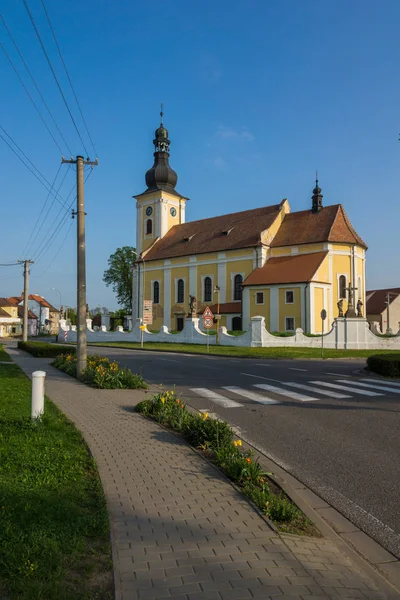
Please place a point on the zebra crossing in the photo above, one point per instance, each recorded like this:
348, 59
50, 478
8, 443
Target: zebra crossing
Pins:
281, 391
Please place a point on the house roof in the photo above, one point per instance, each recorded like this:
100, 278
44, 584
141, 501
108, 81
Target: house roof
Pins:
3, 313
226, 308
15, 299
298, 268
217, 234
6, 302
40, 300
330, 224
31, 315
376, 300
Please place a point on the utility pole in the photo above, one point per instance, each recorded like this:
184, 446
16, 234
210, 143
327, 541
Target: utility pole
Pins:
81, 352
26, 298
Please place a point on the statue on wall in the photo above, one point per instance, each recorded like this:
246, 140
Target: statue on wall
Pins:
359, 309
192, 306
87, 311
340, 307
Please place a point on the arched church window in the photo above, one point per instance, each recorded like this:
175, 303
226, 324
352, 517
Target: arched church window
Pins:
149, 226
237, 291
207, 289
180, 291
156, 292
342, 286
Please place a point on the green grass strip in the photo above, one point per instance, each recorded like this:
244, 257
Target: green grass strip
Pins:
3, 355
54, 528
284, 352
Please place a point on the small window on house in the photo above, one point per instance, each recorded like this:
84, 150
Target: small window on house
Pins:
207, 289
180, 296
289, 324
260, 298
342, 286
156, 292
149, 227
289, 297
237, 290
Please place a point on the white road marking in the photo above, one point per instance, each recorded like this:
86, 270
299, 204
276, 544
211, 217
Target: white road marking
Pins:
261, 365
309, 388
373, 386
287, 393
250, 395
217, 398
338, 374
396, 385
294, 369
335, 386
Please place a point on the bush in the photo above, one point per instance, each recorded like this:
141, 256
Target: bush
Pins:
101, 373
236, 332
385, 364
216, 439
282, 333
43, 350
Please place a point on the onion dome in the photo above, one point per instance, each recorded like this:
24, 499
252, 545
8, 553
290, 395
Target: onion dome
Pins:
316, 198
161, 176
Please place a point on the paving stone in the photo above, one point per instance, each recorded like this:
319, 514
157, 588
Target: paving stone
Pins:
181, 531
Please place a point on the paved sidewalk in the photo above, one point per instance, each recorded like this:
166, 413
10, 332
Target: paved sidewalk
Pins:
180, 531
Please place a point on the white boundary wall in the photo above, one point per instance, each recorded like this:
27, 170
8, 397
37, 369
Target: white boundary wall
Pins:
350, 334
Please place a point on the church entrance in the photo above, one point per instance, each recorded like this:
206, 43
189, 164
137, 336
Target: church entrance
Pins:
237, 324
179, 323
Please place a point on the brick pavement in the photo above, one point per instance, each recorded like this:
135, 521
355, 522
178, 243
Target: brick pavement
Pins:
179, 530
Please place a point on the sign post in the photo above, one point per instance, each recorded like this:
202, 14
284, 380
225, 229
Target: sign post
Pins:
208, 319
323, 317
147, 318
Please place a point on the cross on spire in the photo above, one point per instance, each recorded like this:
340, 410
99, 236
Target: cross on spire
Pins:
162, 112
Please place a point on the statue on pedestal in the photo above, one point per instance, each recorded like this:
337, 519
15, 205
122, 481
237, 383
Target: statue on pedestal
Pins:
192, 306
359, 309
340, 307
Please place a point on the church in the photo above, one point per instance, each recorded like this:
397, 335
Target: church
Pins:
285, 266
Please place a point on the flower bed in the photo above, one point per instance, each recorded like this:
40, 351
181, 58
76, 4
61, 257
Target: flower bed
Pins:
216, 439
101, 373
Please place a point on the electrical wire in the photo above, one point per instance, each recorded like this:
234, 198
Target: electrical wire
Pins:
9, 264
35, 84
46, 185
30, 98
54, 74
67, 74
58, 251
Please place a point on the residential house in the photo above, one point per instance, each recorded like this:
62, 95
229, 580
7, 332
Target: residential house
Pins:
383, 307
10, 323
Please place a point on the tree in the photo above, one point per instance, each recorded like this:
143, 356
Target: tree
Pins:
119, 275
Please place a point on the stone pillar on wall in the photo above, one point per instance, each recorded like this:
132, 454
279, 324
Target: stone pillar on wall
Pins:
257, 325
105, 321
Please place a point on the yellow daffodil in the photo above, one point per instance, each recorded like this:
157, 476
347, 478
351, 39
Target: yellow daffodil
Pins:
205, 416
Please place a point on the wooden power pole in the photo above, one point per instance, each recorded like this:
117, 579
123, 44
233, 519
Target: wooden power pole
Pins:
26, 264
81, 350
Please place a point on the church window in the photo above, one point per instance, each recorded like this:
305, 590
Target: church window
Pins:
156, 292
342, 286
260, 298
289, 297
149, 227
207, 289
237, 324
237, 289
180, 296
289, 324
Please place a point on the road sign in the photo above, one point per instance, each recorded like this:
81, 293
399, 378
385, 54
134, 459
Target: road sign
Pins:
323, 314
208, 323
147, 312
142, 327
207, 314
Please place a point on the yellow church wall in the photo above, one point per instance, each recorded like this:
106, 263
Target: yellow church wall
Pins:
280, 251
243, 267
260, 309
179, 273
271, 232
289, 310
210, 270
341, 265
360, 277
158, 310
341, 247
306, 248
322, 273
318, 306
241, 253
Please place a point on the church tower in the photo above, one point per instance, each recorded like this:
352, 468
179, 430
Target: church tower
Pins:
160, 206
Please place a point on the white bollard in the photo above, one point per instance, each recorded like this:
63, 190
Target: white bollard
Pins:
38, 378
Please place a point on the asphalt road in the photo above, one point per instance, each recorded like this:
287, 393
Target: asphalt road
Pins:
346, 449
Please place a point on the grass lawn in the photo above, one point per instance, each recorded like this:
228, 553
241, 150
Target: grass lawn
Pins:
54, 528
249, 352
3, 355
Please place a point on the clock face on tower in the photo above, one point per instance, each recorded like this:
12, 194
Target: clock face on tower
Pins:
173, 212
149, 211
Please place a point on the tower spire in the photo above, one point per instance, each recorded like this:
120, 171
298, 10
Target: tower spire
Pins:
162, 113
317, 196
161, 176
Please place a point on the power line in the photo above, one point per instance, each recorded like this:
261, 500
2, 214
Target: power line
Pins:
35, 84
58, 251
30, 97
67, 73
46, 185
14, 264
53, 72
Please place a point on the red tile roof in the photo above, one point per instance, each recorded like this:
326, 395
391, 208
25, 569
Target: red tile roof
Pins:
376, 300
217, 234
15, 299
298, 268
226, 308
331, 224
6, 302
31, 315
40, 300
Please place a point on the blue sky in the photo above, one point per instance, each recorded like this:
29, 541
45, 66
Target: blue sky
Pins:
257, 96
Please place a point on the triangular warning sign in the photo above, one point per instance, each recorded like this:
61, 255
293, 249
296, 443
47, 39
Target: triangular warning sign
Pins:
207, 314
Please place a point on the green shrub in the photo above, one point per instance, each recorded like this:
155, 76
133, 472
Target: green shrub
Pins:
282, 333
44, 350
236, 332
385, 364
216, 439
101, 373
